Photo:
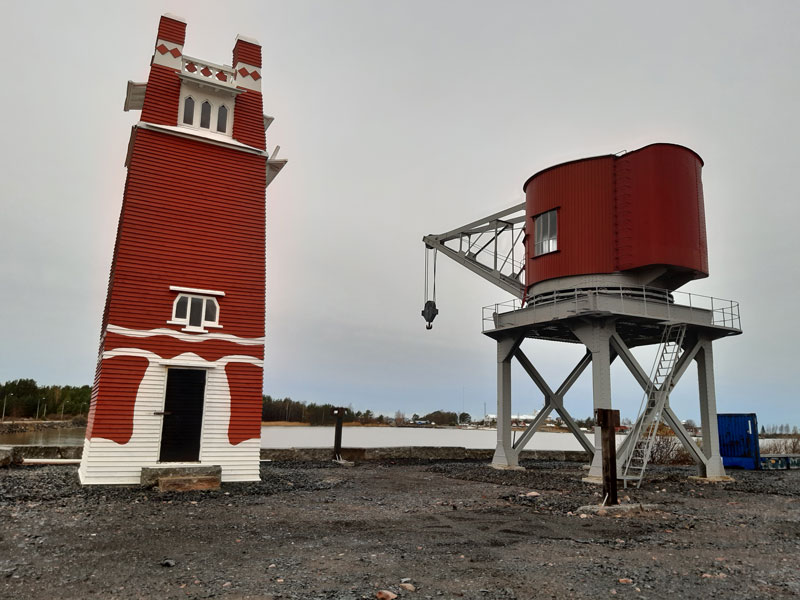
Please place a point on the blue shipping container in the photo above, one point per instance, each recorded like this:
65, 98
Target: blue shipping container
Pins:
738, 440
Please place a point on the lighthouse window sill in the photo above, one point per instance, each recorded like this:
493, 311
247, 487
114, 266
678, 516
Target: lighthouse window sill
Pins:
190, 329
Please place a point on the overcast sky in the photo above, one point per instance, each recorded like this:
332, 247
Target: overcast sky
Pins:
400, 119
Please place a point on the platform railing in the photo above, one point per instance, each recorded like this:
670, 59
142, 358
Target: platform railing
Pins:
221, 74
649, 301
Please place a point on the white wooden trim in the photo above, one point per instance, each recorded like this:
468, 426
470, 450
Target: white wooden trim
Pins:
107, 462
249, 40
140, 333
188, 290
187, 359
217, 139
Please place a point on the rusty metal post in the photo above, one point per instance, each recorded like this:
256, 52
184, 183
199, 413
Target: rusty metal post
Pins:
337, 439
608, 420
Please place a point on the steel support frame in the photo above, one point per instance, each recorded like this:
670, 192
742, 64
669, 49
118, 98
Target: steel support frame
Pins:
668, 415
708, 460
596, 334
507, 452
603, 345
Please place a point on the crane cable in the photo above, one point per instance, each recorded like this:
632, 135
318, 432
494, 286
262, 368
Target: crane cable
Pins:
429, 310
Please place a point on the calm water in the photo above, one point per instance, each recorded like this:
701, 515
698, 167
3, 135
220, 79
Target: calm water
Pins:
72, 436
355, 437
322, 437
382, 437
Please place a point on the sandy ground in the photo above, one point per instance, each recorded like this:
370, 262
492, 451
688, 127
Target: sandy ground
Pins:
451, 530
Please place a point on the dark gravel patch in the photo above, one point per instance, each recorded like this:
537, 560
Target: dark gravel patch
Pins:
456, 530
48, 483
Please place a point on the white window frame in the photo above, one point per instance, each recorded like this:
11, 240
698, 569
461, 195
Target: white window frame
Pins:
183, 111
185, 320
227, 119
211, 114
199, 95
544, 240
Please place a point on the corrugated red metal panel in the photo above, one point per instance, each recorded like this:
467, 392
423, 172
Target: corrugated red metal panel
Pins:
246, 52
622, 213
171, 30
248, 119
583, 194
193, 216
162, 96
661, 210
117, 385
245, 382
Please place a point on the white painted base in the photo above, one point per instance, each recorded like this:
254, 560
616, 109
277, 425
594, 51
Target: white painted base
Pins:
115, 464
107, 462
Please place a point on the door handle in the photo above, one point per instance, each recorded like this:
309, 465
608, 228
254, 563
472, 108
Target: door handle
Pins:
162, 413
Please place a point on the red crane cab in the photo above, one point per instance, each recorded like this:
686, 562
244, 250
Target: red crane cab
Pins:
633, 219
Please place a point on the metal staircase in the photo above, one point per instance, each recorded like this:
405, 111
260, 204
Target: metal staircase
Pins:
655, 397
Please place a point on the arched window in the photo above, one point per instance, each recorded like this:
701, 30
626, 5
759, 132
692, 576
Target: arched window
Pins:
188, 110
205, 115
195, 312
222, 118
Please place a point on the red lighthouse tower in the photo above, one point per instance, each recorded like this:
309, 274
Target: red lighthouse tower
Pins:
179, 373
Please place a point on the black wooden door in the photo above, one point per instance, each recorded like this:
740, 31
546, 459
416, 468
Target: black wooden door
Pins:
183, 415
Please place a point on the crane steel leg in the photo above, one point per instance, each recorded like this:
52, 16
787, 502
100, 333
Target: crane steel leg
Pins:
596, 336
505, 457
708, 410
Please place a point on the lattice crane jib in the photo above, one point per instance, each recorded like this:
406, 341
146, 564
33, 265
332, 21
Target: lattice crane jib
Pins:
491, 247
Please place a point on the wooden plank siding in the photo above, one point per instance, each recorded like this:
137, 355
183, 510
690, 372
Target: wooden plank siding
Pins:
193, 216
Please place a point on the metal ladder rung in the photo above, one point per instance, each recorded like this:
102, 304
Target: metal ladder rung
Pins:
655, 397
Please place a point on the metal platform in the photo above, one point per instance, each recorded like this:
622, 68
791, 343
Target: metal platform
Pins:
640, 314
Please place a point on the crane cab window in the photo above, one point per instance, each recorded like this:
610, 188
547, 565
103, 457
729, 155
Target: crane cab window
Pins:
545, 233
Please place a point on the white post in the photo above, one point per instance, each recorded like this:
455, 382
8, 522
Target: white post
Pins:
505, 457
708, 410
596, 336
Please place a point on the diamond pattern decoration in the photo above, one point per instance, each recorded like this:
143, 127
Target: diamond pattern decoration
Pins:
221, 76
162, 48
191, 68
244, 73
206, 71
175, 52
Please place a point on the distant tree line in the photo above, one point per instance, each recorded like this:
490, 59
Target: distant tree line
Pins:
442, 417
24, 398
293, 411
784, 429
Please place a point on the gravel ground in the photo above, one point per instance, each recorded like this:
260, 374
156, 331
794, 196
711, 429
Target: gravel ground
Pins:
450, 530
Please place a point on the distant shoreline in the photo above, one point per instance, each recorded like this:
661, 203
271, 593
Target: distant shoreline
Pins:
472, 426
298, 424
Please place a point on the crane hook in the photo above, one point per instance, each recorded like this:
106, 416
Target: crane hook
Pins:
429, 313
